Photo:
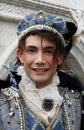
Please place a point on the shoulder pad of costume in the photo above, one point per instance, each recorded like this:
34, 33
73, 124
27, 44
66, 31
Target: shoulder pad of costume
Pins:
8, 93
68, 79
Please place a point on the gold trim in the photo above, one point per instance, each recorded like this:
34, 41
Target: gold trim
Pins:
54, 117
40, 27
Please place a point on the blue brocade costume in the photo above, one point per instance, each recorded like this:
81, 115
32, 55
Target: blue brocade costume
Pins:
16, 114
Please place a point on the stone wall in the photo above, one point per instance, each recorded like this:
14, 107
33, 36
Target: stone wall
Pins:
10, 14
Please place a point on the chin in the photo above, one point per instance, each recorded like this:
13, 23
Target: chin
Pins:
42, 80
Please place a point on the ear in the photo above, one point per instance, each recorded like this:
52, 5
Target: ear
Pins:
20, 55
60, 59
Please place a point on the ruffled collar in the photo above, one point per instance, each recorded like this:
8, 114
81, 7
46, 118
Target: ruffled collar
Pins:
29, 84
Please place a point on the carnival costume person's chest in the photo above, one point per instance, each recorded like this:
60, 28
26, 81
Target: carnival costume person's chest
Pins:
17, 114
64, 117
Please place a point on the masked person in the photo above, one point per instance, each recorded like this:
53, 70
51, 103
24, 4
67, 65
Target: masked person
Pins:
39, 95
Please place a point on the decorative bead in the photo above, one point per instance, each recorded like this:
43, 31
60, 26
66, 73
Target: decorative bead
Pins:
20, 114
69, 102
67, 116
11, 113
21, 126
72, 91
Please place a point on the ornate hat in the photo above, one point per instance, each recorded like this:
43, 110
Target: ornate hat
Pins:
48, 22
